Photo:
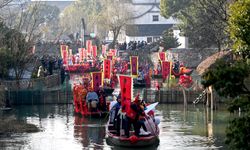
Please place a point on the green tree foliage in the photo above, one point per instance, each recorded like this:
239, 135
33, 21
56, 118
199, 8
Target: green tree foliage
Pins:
240, 27
229, 79
204, 22
168, 40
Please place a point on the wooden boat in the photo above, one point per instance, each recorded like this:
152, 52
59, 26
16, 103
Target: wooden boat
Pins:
133, 141
81, 68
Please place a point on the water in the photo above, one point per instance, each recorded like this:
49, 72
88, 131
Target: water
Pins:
62, 130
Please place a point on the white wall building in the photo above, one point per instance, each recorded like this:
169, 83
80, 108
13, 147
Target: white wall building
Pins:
148, 25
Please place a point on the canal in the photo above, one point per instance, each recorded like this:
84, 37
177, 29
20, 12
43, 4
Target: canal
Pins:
193, 128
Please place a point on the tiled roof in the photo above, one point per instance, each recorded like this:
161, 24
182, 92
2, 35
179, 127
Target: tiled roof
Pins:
146, 29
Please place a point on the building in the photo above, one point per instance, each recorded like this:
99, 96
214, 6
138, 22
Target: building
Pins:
147, 24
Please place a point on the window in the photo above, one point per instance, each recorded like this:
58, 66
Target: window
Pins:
155, 17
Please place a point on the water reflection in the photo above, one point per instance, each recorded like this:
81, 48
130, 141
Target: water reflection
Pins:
89, 131
180, 128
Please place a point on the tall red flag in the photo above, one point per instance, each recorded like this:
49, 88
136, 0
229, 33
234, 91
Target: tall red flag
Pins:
84, 54
162, 56
94, 50
166, 66
134, 65
89, 46
107, 68
96, 80
126, 86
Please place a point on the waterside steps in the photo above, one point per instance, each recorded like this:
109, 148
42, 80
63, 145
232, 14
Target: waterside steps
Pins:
200, 97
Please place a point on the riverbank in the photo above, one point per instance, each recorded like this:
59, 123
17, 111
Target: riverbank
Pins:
10, 125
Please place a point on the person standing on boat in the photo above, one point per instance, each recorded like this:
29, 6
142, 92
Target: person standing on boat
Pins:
102, 100
114, 117
135, 116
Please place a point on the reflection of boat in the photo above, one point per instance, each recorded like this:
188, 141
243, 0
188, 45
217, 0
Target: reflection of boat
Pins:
89, 107
134, 141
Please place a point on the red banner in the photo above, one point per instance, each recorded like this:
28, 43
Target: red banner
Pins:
165, 69
96, 80
62, 48
94, 50
104, 49
162, 56
126, 86
107, 68
84, 54
65, 57
89, 46
134, 65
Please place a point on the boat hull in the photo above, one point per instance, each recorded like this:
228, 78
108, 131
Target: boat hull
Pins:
128, 142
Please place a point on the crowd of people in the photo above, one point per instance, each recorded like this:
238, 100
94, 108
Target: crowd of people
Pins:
132, 45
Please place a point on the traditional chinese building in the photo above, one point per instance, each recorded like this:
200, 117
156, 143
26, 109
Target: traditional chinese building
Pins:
147, 23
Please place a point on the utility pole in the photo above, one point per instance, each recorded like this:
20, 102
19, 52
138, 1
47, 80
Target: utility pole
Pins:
83, 32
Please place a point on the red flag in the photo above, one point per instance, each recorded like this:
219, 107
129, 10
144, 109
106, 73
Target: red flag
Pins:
166, 65
126, 85
96, 80
89, 46
94, 50
162, 56
134, 65
107, 68
65, 57
62, 48
84, 54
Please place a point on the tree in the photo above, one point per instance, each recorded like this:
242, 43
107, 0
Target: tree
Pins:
20, 33
240, 27
99, 15
115, 15
4, 3
168, 40
228, 79
204, 22
70, 20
